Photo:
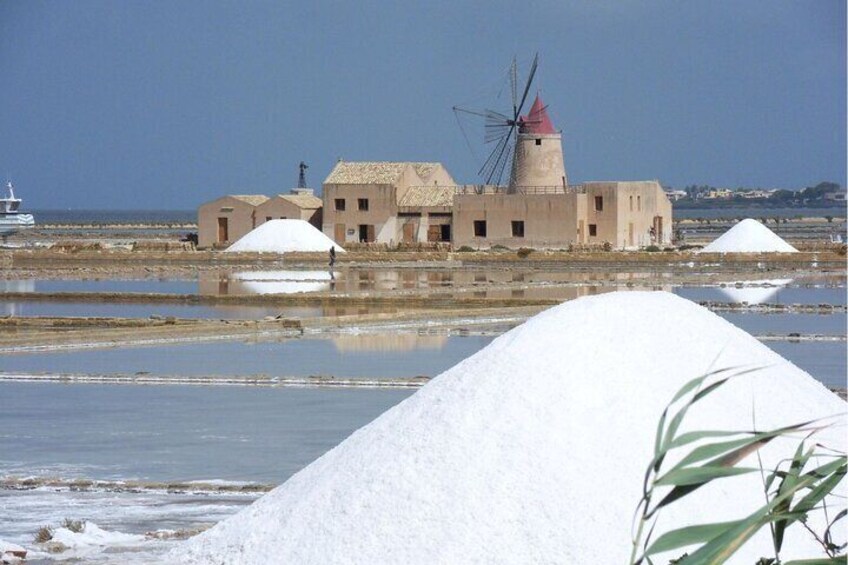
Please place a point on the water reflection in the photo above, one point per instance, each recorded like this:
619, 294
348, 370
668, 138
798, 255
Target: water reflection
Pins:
389, 342
13, 308
754, 292
280, 282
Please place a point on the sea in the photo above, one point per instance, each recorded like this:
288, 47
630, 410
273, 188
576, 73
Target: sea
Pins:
96, 217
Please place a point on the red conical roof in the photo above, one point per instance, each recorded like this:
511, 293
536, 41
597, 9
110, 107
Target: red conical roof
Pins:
537, 121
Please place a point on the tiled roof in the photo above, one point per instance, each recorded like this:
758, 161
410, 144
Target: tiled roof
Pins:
374, 172
302, 200
427, 197
424, 169
253, 199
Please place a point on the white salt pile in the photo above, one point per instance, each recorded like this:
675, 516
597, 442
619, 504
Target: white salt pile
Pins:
534, 449
93, 535
283, 236
749, 236
11, 553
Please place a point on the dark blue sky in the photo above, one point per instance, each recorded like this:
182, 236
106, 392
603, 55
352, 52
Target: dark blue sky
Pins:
167, 104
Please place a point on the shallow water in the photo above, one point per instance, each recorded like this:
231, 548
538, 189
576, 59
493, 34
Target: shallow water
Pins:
785, 324
37, 308
365, 355
171, 433
177, 433
368, 355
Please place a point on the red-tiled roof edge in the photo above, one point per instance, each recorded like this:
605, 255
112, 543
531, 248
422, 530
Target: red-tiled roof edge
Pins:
537, 120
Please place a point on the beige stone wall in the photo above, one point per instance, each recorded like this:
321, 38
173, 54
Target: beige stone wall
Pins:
630, 211
538, 161
381, 213
241, 218
439, 176
550, 220
279, 208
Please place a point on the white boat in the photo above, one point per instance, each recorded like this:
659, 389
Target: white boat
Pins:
11, 219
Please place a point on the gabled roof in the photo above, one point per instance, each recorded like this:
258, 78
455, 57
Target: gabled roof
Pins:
252, 199
374, 172
424, 169
427, 197
302, 200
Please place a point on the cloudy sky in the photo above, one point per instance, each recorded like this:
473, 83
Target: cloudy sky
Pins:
163, 105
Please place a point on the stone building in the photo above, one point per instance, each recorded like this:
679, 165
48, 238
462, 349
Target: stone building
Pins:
300, 204
540, 209
226, 219
387, 202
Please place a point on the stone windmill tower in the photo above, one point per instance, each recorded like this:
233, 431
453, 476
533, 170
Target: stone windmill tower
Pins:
529, 142
537, 161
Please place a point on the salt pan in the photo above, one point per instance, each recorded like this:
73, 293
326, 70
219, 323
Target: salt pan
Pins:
533, 450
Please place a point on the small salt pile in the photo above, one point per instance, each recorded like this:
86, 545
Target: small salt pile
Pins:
534, 449
283, 236
749, 236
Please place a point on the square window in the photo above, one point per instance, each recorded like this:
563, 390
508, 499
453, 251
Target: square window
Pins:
340, 204
538, 142
599, 204
362, 204
479, 228
517, 228
593, 230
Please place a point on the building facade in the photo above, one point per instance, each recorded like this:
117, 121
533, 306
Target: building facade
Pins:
387, 202
225, 220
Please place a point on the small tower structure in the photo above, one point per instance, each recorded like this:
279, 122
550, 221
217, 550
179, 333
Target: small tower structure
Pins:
538, 160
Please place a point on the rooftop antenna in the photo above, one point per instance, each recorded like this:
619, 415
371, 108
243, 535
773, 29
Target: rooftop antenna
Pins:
301, 178
500, 128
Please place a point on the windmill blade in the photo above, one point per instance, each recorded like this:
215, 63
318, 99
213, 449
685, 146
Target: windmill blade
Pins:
472, 111
488, 168
527, 87
505, 161
465, 135
513, 81
501, 150
495, 133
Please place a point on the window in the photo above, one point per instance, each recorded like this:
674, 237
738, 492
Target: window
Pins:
599, 204
362, 204
639, 203
538, 142
340, 204
593, 230
268, 218
631, 203
479, 228
517, 228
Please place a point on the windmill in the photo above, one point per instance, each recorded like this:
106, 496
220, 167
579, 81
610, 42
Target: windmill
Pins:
500, 128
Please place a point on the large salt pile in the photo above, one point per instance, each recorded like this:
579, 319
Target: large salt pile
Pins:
282, 236
534, 449
749, 236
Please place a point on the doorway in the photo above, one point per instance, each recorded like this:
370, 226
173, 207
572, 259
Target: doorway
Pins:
409, 230
366, 233
339, 233
223, 230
